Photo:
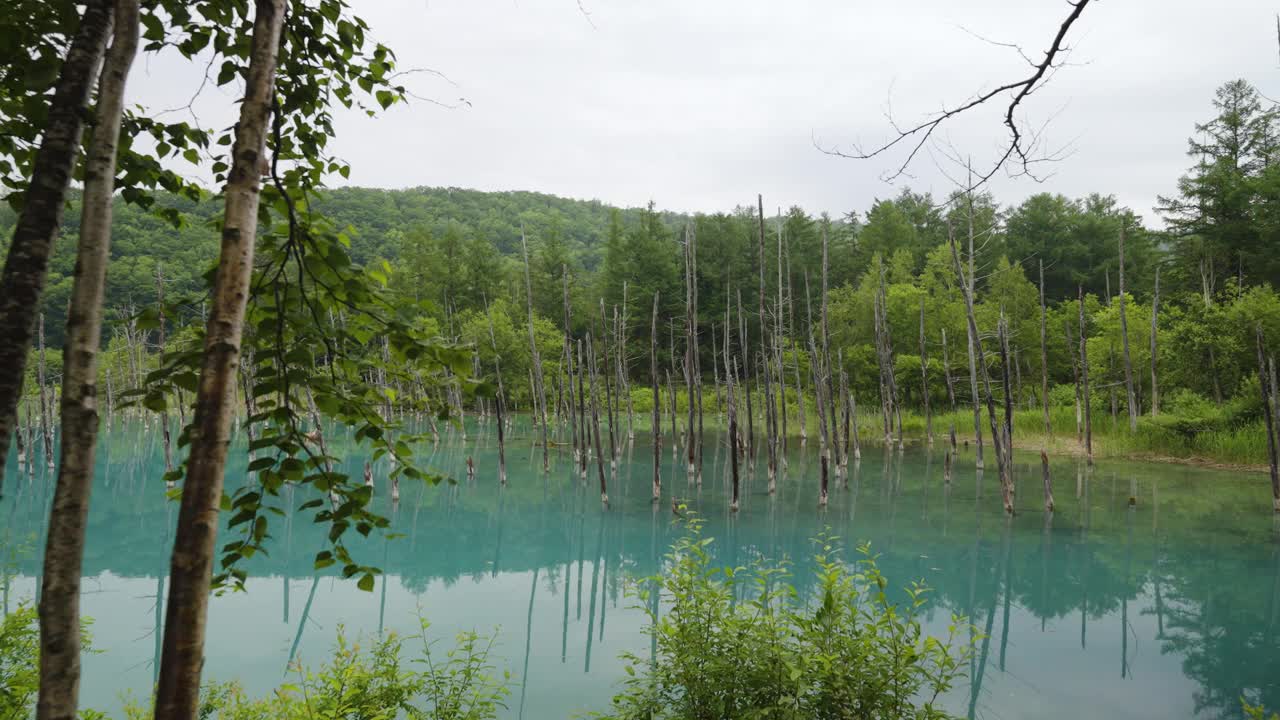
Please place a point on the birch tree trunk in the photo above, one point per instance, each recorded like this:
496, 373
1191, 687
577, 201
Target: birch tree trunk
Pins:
657, 414
177, 694
64, 549
27, 263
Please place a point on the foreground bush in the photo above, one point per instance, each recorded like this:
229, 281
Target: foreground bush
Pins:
382, 681
737, 643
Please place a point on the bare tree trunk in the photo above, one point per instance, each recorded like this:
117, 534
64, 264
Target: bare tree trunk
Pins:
771, 431
690, 347
829, 438
568, 352
1155, 314
1044, 356
539, 394
624, 362
801, 413
847, 410
924, 379
819, 401
657, 414
1008, 393
500, 400
1273, 460
730, 370
1084, 382
64, 548
970, 287
608, 389
595, 420
777, 345
1124, 336
1005, 484
745, 346
177, 695
27, 262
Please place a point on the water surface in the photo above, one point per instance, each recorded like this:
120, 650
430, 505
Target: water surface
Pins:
1164, 609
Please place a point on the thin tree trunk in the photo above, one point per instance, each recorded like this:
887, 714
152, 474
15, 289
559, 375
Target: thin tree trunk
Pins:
568, 352
1155, 314
1130, 397
595, 420
745, 346
690, 347
64, 548
539, 395
657, 414
1005, 484
177, 694
1084, 382
819, 400
828, 438
1008, 394
27, 263
970, 286
771, 431
500, 400
730, 370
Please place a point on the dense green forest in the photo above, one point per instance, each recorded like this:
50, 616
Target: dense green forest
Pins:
451, 251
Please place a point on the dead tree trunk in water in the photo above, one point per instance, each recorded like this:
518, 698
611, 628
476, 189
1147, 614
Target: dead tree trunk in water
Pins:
568, 353
1273, 460
64, 549
1084, 382
745, 347
657, 413
500, 401
819, 400
974, 356
1005, 485
1008, 394
1155, 314
27, 263
730, 370
771, 430
1130, 397
177, 693
595, 419
539, 395
690, 348
829, 439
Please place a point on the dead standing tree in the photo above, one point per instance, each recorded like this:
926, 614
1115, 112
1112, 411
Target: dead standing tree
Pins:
539, 394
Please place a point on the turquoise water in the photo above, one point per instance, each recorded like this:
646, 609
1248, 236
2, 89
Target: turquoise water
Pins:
1166, 609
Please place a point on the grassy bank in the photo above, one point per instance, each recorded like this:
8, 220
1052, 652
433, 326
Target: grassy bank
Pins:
1226, 437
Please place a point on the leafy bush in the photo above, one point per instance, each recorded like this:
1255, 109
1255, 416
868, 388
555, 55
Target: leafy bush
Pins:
851, 653
19, 671
373, 683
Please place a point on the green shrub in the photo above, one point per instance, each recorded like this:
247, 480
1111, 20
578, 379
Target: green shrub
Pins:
19, 670
738, 643
373, 682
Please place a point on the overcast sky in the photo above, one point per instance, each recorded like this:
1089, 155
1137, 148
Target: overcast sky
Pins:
700, 105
